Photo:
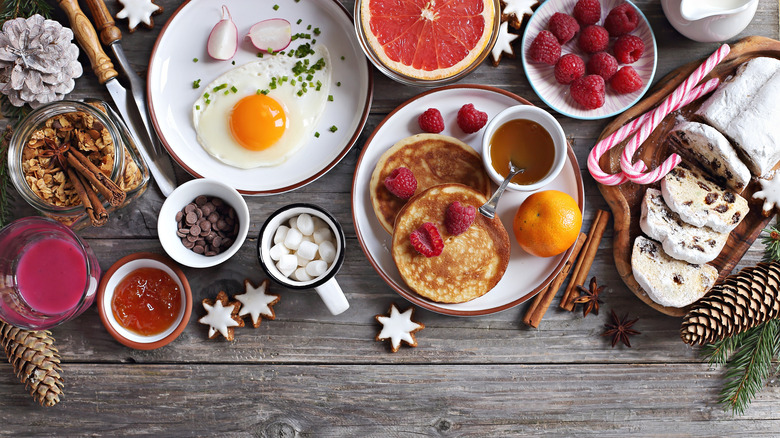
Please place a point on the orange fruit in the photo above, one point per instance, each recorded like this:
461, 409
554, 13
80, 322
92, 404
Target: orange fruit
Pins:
428, 39
547, 223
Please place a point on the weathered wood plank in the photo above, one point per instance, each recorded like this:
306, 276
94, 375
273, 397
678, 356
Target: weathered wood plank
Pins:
590, 400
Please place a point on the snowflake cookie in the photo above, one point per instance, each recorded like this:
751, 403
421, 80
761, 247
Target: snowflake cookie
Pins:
770, 193
221, 316
503, 44
514, 11
398, 327
137, 12
256, 302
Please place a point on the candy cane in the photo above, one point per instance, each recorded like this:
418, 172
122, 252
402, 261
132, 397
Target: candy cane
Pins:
636, 173
624, 131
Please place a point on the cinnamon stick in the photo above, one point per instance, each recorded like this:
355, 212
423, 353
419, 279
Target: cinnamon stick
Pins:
585, 261
541, 303
103, 184
97, 216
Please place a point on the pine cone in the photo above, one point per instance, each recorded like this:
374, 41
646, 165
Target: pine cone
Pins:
741, 302
35, 360
38, 61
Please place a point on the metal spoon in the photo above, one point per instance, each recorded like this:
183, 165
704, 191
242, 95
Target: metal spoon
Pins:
489, 209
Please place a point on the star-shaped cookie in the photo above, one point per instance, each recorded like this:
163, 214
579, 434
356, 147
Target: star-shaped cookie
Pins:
513, 11
770, 193
503, 44
137, 12
398, 327
257, 303
221, 316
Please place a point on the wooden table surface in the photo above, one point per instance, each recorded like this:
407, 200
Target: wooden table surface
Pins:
312, 374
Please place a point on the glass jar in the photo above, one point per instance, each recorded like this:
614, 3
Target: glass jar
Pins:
124, 151
47, 274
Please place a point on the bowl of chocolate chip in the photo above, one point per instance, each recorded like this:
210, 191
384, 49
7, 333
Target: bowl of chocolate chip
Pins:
203, 223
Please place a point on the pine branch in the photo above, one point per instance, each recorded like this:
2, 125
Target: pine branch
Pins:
719, 352
750, 366
5, 184
24, 8
770, 237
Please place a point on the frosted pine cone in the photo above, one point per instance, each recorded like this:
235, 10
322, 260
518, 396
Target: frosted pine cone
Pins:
38, 61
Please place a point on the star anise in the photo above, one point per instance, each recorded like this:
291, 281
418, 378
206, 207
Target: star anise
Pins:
620, 329
56, 151
589, 298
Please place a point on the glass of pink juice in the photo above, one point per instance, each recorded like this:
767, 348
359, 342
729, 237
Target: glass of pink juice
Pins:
47, 274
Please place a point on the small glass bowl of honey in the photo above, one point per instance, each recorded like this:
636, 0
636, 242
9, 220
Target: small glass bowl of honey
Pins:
532, 139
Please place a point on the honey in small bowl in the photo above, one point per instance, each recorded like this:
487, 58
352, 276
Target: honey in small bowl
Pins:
528, 145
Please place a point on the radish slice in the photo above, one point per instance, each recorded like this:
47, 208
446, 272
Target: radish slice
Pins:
223, 39
271, 35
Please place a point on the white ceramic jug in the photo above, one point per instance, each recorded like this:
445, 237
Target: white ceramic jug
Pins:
709, 20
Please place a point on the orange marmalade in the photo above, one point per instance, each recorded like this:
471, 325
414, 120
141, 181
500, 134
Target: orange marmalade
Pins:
147, 301
528, 145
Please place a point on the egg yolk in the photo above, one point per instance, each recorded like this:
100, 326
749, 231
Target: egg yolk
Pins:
257, 122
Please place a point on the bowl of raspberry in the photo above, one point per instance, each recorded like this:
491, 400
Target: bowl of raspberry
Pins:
589, 59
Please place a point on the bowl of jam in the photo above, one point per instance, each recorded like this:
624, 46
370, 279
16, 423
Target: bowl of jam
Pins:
144, 301
532, 139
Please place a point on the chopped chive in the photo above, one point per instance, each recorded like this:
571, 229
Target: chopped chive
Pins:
194, 59
308, 27
270, 51
259, 54
233, 62
316, 31
299, 20
208, 101
233, 89
342, 58
219, 87
300, 93
263, 92
314, 41
333, 128
206, 95
227, 92
317, 134
196, 83
276, 7
197, 107
338, 84
292, 82
330, 98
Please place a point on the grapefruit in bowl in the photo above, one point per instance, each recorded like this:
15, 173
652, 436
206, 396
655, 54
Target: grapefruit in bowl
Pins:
427, 42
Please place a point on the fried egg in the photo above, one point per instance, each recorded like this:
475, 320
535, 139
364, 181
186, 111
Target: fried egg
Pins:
261, 113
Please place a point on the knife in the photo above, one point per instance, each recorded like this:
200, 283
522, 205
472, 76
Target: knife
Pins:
159, 165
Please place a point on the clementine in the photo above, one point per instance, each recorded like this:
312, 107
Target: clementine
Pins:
547, 223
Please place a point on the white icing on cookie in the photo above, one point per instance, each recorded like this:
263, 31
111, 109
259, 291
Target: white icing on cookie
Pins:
137, 11
517, 9
218, 318
398, 327
503, 43
256, 302
770, 193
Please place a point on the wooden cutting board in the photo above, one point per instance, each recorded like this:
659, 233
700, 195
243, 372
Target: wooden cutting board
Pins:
625, 200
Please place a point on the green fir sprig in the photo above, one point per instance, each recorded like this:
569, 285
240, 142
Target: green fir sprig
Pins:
747, 356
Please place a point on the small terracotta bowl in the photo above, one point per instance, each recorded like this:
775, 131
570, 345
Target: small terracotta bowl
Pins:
111, 279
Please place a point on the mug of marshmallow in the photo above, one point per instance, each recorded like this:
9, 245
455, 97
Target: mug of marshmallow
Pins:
302, 246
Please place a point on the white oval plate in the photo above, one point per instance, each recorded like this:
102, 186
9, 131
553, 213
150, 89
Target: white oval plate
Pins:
171, 94
557, 96
526, 275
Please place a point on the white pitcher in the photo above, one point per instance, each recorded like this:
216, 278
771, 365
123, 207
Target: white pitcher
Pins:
709, 20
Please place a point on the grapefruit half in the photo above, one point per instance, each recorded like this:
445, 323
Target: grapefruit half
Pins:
428, 39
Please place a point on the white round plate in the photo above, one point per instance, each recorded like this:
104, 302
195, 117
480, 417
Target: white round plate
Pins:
526, 275
171, 93
557, 96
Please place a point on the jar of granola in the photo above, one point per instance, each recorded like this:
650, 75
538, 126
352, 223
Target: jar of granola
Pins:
76, 162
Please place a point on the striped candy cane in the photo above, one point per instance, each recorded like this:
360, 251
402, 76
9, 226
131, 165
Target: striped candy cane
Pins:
683, 95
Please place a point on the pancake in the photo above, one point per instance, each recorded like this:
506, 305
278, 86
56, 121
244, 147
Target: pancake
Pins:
433, 159
470, 264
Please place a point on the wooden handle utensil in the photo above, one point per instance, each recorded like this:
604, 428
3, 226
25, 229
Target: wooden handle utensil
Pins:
88, 39
104, 22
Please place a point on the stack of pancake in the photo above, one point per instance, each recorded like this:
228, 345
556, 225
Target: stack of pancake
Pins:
447, 170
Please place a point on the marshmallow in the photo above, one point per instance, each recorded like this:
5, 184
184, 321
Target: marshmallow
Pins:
301, 275
280, 233
318, 223
287, 264
327, 251
293, 239
315, 268
307, 250
322, 235
305, 224
293, 222
301, 261
277, 251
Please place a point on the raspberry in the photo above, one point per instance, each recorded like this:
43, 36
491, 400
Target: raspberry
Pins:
569, 68
626, 80
587, 11
602, 64
621, 20
459, 218
593, 39
471, 119
401, 183
427, 240
563, 26
628, 49
431, 121
545, 48
588, 91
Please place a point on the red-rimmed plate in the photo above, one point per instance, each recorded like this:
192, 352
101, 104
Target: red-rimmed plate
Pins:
171, 95
526, 274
